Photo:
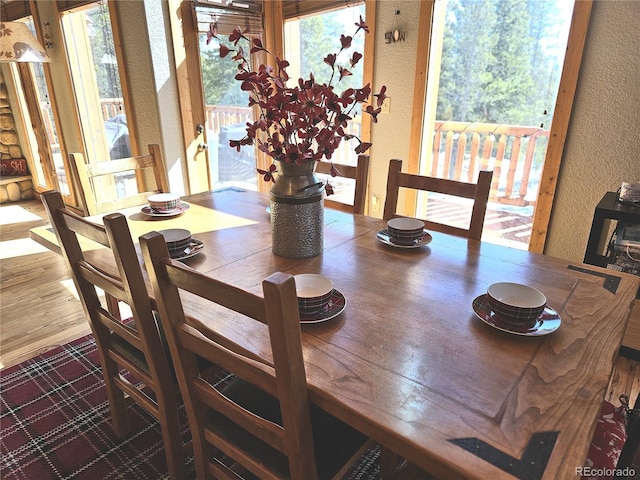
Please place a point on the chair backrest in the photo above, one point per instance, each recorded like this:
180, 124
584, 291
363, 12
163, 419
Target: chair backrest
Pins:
290, 433
92, 180
360, 173
478, 192
135, 346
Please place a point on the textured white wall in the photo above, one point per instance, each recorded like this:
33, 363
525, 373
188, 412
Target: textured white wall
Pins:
395, 68
603, 143
151, 73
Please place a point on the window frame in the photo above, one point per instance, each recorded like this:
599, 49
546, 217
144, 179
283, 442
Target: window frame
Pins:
186, 49
559, 124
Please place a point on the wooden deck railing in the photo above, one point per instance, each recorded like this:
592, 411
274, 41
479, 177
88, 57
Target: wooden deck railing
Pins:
220, 116
460, 150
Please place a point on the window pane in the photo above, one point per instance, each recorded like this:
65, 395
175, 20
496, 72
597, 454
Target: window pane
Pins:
227, 113
96, 80
490, 102
308, 41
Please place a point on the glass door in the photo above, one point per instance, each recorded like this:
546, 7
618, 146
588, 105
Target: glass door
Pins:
307, 41
490, 102
99, 93
227, 109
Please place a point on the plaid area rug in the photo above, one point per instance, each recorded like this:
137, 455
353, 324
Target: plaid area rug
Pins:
55, 424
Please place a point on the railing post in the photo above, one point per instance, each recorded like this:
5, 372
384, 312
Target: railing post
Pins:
502, 142
528, 164
437, 139
513, 164
475, 146
462, 145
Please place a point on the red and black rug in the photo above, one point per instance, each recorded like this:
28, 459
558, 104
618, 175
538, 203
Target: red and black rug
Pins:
55, 424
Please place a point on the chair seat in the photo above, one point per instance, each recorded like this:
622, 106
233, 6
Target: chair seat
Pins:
334, 441
129, 352
134, 355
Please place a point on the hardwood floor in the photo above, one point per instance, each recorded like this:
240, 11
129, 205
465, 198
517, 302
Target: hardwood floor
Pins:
39, 309
38, 306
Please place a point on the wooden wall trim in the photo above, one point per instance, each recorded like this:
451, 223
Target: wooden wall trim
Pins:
560, 124
369, 62
419, 96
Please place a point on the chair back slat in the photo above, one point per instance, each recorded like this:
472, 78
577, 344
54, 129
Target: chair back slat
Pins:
227, 296
256, 371
89, 178
359, 173
478, 192
133, 344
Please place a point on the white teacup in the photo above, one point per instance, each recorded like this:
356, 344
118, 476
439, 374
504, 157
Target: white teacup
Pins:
164, 202
313, 291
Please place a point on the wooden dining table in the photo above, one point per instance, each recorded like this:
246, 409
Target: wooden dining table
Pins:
408, 361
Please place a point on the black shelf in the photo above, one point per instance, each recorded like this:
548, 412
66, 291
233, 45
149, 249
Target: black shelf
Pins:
608, 209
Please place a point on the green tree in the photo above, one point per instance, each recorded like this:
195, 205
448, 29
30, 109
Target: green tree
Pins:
511, 82
498, 63
320, 36
466, 59
545, 24
218, 75
103, 52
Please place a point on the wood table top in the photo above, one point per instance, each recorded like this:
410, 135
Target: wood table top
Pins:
408, 362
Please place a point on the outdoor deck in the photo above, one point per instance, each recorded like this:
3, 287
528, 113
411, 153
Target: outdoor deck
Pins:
503, 225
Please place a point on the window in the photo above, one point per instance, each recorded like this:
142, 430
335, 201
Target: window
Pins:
226, 105
45, 151
307, 40
489, 102
99, 92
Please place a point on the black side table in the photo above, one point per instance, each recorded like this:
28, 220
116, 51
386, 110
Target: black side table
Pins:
608, 209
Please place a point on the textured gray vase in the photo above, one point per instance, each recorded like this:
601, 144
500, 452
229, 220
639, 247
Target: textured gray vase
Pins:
297, 211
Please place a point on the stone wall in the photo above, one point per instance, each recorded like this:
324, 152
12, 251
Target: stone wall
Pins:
12, 188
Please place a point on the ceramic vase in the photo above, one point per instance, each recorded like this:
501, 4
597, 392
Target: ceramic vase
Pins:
297, 211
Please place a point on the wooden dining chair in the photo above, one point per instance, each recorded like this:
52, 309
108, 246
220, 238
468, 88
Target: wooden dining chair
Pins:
133, 344
478, 192
262, 420
359, 173
95, 183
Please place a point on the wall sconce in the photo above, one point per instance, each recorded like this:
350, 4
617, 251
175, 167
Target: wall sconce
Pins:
18, 44
47, 36
395, 35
